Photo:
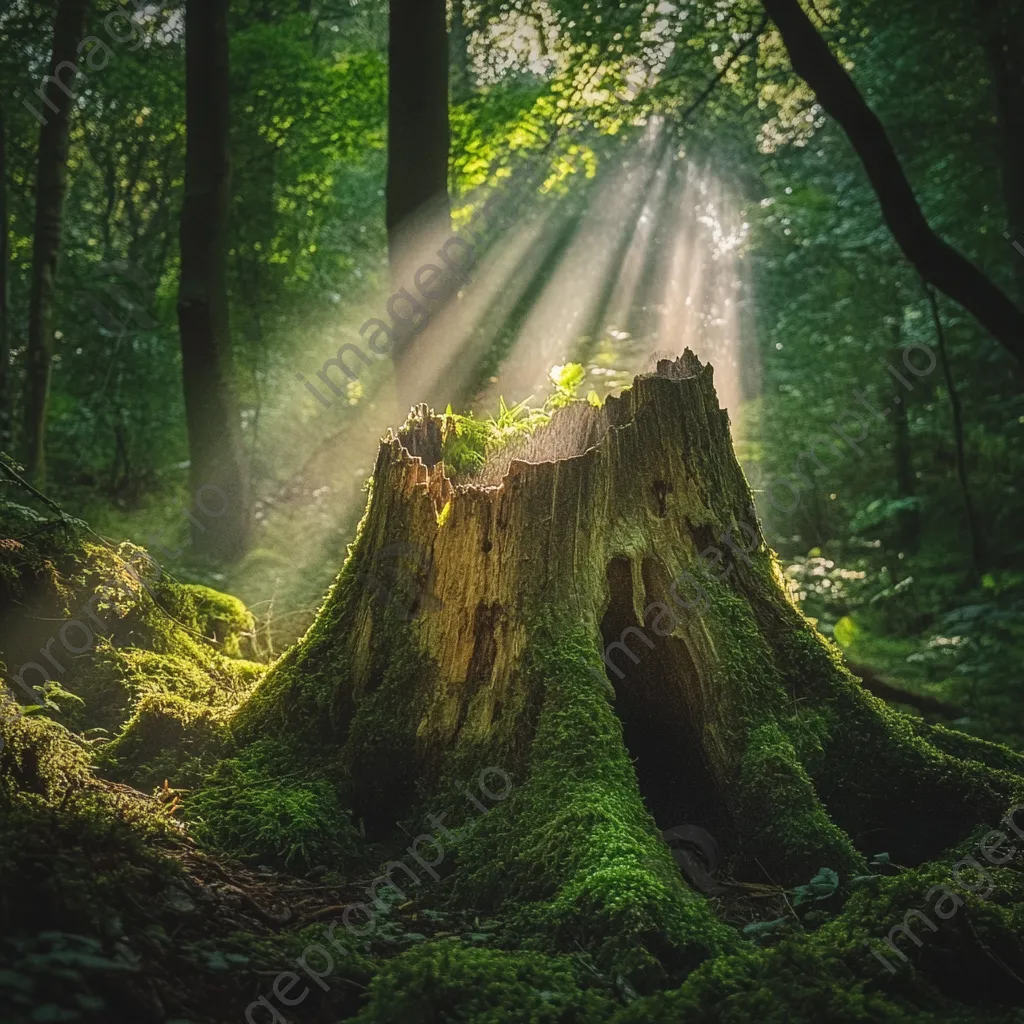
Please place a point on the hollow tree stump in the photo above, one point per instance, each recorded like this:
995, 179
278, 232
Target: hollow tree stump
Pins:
598, 616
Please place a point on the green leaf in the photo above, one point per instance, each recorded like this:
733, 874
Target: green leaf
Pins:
845, 631
820, 887
568, 377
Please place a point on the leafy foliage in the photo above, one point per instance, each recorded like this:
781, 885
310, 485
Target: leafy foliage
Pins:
468, 443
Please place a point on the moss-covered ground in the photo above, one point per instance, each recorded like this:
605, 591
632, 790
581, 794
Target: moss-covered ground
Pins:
168, 855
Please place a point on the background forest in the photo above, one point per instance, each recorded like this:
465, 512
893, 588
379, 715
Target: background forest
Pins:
203, 211
796, 290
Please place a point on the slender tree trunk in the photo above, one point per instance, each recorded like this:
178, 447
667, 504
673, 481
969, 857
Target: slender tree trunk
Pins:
908, 521
936, 261
462, 74
5, 339
214, 432
1002, 26
58, 99
973, 532
418, 132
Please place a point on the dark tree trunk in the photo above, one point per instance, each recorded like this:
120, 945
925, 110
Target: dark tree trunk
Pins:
5, 339
973, 533
211, 409
51, 188
462, 74
908, 520
936, 261
418, 133
418, 215
1002, 26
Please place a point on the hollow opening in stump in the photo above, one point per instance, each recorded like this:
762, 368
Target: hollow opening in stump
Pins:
656, 701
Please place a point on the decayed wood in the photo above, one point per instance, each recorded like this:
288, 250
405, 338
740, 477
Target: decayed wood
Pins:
649, 480
568, 551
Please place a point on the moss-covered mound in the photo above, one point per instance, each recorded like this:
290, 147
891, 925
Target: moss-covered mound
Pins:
110, 646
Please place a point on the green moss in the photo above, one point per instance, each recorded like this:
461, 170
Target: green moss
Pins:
446, 981
221, 618
982, 937
971, 748
794, 983
68, 842
787, 821
275, 804
380, 752
151, 667
909, 797
572, 856
831, 974
300, 690
39, 756
168, 737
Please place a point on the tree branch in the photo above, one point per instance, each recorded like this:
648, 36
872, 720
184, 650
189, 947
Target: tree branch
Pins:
935, 260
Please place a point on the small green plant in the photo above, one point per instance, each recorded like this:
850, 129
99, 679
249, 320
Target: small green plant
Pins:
467, 442
823, 885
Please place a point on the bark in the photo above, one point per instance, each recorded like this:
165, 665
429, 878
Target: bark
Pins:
598, 616
51, 187
956, 412
418, 132
462, 75
211, 409
936, 261
5, 340
1002, 26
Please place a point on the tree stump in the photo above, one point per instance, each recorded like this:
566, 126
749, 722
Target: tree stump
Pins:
597, 618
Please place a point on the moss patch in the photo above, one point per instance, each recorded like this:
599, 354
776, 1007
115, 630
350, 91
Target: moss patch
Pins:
572, 856
446, 981
272, 804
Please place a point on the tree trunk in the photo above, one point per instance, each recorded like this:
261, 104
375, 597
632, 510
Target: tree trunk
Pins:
936, 261
597, 623
51, 187
1002, 27
956, 412
418, 133
219, 477
418, 215
462, 75
908, 521
5, 256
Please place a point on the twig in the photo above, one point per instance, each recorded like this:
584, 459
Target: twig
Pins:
18, 478
782, 892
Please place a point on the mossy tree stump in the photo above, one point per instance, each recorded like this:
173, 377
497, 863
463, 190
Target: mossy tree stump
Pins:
631, 522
